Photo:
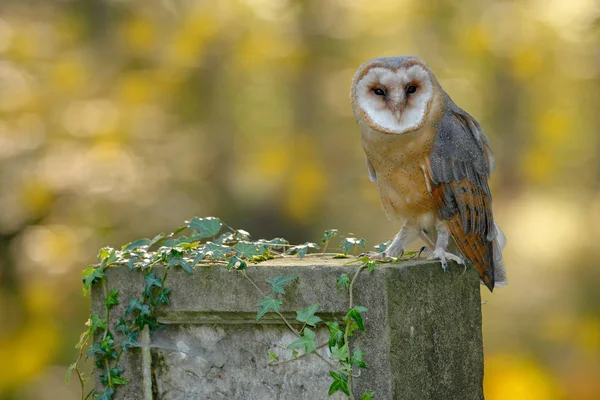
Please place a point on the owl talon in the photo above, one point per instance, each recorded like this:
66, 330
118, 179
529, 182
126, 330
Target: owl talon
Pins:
441, 255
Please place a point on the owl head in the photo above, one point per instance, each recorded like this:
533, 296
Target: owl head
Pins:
393, 95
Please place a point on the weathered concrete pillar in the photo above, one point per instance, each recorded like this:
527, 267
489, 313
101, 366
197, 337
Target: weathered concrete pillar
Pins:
422, 339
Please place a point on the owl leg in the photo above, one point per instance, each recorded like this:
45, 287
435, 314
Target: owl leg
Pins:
443, 236
406, 236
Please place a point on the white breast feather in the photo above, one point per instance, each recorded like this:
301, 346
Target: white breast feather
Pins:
412, 116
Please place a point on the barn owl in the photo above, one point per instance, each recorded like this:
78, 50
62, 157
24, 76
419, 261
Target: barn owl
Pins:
431, 162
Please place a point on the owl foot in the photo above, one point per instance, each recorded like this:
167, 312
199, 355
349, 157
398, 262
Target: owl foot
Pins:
441, 255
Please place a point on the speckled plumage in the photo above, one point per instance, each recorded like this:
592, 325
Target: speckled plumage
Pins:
430, 160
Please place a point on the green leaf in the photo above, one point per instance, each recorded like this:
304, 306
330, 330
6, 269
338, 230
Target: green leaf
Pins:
350, 243
247, 249
381, 247
342, 282
340, 382
267, 304
225, 238
112, 300
151, 282
215, 250
206, 227
357, 358
339, 256
236, 263
340, 353
371, 265
272, 356
69, 370
275, 243
135, 304
106, 395
179, 230
336, 334
241, 234
278, 283
302, 249
90, 276
135, 244
367, 396
122, 325
163, 296
130, 340
96, 323
328, 235
308, 315
106, 255
307, 340
175, 258
157, 240
354, 313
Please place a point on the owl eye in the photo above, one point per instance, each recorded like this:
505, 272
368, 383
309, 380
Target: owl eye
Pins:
379, 92
411, 89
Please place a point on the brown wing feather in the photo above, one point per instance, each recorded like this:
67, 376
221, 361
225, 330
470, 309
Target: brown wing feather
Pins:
473, 244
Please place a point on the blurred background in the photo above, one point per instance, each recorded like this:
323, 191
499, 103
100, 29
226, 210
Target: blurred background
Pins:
120, 119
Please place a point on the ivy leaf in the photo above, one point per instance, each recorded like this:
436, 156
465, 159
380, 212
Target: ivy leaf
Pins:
135, 244
206, 227
241, 234
236, 263
179, 230
112, 300
354, 313
328, 235
371, 265
302, 249
342, 282
157, 240
367, 396
340, 382
275, 243
69, 370
163, 296
357, 358
130, 340
215, 250
272, 355
107, 255
267, 304
106, 395
90, 276
307, 341
121, 326
225, 238
336, 334
96, 323
308, 315
350, 243
277, 283
382, 246
135, 304
175, 258
340, 353
151, 282
247, 250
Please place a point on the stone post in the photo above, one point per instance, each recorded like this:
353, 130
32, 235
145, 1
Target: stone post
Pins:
422, 339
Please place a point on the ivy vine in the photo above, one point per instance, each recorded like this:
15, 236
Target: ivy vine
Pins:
210, 241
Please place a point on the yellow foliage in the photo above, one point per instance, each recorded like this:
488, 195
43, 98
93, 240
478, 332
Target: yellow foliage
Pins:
587, 334
27, 351
36, 196
68, 75
306, 182
517, 378
139, 33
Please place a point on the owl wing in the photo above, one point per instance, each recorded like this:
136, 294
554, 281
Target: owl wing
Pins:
457, 173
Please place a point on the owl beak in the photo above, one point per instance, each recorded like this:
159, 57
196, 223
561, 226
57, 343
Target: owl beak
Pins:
398, 109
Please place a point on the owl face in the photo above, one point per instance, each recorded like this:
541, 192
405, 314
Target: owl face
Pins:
393, 95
